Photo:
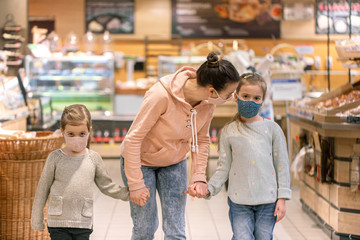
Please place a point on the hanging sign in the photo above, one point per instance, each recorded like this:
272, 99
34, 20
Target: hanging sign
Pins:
226, 18
335, 14
115, 16
298, 11
286, 89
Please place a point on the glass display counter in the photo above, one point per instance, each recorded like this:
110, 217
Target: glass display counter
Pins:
170, 64
13, 111
87, 80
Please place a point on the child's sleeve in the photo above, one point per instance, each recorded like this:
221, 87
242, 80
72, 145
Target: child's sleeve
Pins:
42, 193
281, 163
105, 183
223, 166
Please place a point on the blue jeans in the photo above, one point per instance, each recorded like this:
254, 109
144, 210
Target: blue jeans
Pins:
252, 222
170, 182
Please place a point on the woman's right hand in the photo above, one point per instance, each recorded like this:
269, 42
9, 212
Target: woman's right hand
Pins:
140, 196
198, 189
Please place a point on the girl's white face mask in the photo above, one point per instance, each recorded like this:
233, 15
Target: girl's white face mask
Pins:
76, 144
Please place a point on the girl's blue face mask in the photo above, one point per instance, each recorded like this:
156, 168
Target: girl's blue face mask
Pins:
248, 109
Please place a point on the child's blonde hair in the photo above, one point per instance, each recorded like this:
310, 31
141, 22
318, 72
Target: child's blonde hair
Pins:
76, 114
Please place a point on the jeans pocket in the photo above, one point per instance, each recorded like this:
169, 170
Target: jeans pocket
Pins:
55, 205
87, 210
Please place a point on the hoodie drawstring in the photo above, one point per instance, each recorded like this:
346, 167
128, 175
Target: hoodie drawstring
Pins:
195, 147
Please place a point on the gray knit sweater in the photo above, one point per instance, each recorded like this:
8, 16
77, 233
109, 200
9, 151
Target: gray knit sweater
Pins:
254, 159
68, 181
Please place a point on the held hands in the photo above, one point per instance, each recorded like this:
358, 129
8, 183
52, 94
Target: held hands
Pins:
140, 196
198, 189
280, 209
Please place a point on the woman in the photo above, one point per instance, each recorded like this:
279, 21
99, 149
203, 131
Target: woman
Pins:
178, 107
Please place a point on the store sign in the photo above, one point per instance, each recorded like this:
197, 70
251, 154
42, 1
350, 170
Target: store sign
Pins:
115, 16
298, 11
336, 16
286, 89
304, 49
226, 19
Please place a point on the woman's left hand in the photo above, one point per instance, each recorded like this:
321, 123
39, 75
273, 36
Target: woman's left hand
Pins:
280, 209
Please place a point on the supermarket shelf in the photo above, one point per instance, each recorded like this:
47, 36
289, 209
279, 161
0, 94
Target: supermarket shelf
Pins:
14, 113
14, 63
332, 72
350, 62
81, 58
12, 45
134, 91
72, 93
327, 129
12, 28
182, 59
101, 116
68, 78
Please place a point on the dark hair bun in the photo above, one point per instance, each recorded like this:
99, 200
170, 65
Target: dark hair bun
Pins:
212, 60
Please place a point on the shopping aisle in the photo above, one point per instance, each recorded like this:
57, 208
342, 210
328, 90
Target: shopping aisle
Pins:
205, 219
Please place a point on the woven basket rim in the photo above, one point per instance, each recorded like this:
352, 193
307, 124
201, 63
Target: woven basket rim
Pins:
22, 160
35, 138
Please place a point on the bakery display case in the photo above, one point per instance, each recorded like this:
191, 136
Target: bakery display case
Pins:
170, 64
69, 80
13, 110
329, 183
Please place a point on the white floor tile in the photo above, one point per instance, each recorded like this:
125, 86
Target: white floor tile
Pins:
205, 219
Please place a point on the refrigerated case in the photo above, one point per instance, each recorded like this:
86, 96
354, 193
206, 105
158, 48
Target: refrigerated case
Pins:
170, 64
69, 80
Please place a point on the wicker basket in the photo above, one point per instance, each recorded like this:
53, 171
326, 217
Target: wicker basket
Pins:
20, 229
19, 177
30, 148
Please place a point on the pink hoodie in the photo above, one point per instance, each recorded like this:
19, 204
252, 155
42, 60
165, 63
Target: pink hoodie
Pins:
159, 135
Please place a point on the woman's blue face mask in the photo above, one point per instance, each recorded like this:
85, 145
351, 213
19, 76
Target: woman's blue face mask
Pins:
248, 109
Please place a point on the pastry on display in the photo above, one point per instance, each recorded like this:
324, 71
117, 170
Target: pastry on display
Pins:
108, 21
10, 134
340, 100
95, 26
115, 23
248, 10
323, 22
352, 112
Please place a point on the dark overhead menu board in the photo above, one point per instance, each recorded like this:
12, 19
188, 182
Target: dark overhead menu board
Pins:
116, 16
339, 17
226, 18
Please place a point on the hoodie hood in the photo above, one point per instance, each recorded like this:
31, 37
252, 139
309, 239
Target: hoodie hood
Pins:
174, 83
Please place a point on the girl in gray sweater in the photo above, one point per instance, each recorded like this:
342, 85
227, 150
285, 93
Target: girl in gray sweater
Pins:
68, 181
253, 157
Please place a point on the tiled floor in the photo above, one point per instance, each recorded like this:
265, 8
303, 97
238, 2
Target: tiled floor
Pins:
205, 219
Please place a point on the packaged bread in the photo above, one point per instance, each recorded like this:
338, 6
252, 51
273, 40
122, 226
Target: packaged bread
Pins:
16, 134
351, 112
10, 134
